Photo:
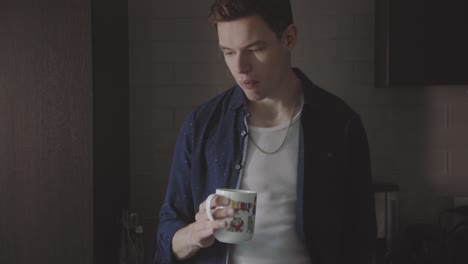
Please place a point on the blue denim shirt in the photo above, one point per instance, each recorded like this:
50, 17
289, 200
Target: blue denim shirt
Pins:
335, 207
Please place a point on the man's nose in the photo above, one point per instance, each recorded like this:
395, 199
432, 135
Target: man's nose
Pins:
243, 64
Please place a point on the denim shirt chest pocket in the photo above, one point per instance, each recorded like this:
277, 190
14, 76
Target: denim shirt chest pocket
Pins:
328, 158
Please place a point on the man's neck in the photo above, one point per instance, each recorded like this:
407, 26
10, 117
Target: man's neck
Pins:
277, 109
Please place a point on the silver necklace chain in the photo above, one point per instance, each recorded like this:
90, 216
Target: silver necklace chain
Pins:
282, 142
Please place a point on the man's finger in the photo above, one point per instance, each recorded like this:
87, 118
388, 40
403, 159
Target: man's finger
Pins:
217, 224
202, 207
219, 201
222, 213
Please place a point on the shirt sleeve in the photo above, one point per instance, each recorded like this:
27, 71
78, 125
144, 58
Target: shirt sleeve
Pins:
359, 235
177, 210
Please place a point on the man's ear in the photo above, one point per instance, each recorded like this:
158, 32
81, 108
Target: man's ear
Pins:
290, 36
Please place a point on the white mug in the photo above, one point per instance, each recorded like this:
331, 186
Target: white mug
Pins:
240, 227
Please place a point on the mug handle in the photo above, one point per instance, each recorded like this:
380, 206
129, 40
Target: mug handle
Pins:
208, 206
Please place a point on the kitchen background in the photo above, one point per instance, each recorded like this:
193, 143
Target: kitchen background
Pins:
417, 135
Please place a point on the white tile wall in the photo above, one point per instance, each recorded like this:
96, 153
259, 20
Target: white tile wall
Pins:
193, 28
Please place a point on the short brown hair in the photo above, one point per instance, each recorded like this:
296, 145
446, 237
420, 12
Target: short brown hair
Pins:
277, 14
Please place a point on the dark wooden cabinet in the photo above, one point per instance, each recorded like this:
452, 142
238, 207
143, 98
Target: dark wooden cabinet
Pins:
421, 42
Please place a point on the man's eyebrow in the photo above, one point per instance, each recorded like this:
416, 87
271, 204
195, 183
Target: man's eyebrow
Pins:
255, 43
223, 48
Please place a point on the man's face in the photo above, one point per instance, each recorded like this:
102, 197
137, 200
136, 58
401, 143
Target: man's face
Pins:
257, 59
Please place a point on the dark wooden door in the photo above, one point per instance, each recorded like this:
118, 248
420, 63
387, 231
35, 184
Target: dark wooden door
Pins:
63, 130
46, 151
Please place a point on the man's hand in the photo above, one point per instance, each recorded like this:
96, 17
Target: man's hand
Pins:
188, 240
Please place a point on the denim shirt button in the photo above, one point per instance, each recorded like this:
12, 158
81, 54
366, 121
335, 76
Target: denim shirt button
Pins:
238, 167
243, 133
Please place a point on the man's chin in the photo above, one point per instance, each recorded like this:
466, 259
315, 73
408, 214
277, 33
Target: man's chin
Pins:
253, 96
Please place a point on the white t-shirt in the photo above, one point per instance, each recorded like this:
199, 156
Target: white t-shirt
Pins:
274, 177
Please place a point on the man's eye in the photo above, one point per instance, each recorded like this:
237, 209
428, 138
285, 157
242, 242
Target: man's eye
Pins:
228, 53
256, 49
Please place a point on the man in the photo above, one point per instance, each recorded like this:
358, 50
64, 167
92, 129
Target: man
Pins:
301, 148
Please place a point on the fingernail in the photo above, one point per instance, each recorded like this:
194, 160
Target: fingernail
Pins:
225, 201
230, 211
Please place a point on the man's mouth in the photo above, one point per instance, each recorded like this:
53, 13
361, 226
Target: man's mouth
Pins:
249, 84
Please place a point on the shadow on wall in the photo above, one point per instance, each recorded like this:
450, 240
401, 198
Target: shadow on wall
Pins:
416, 140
